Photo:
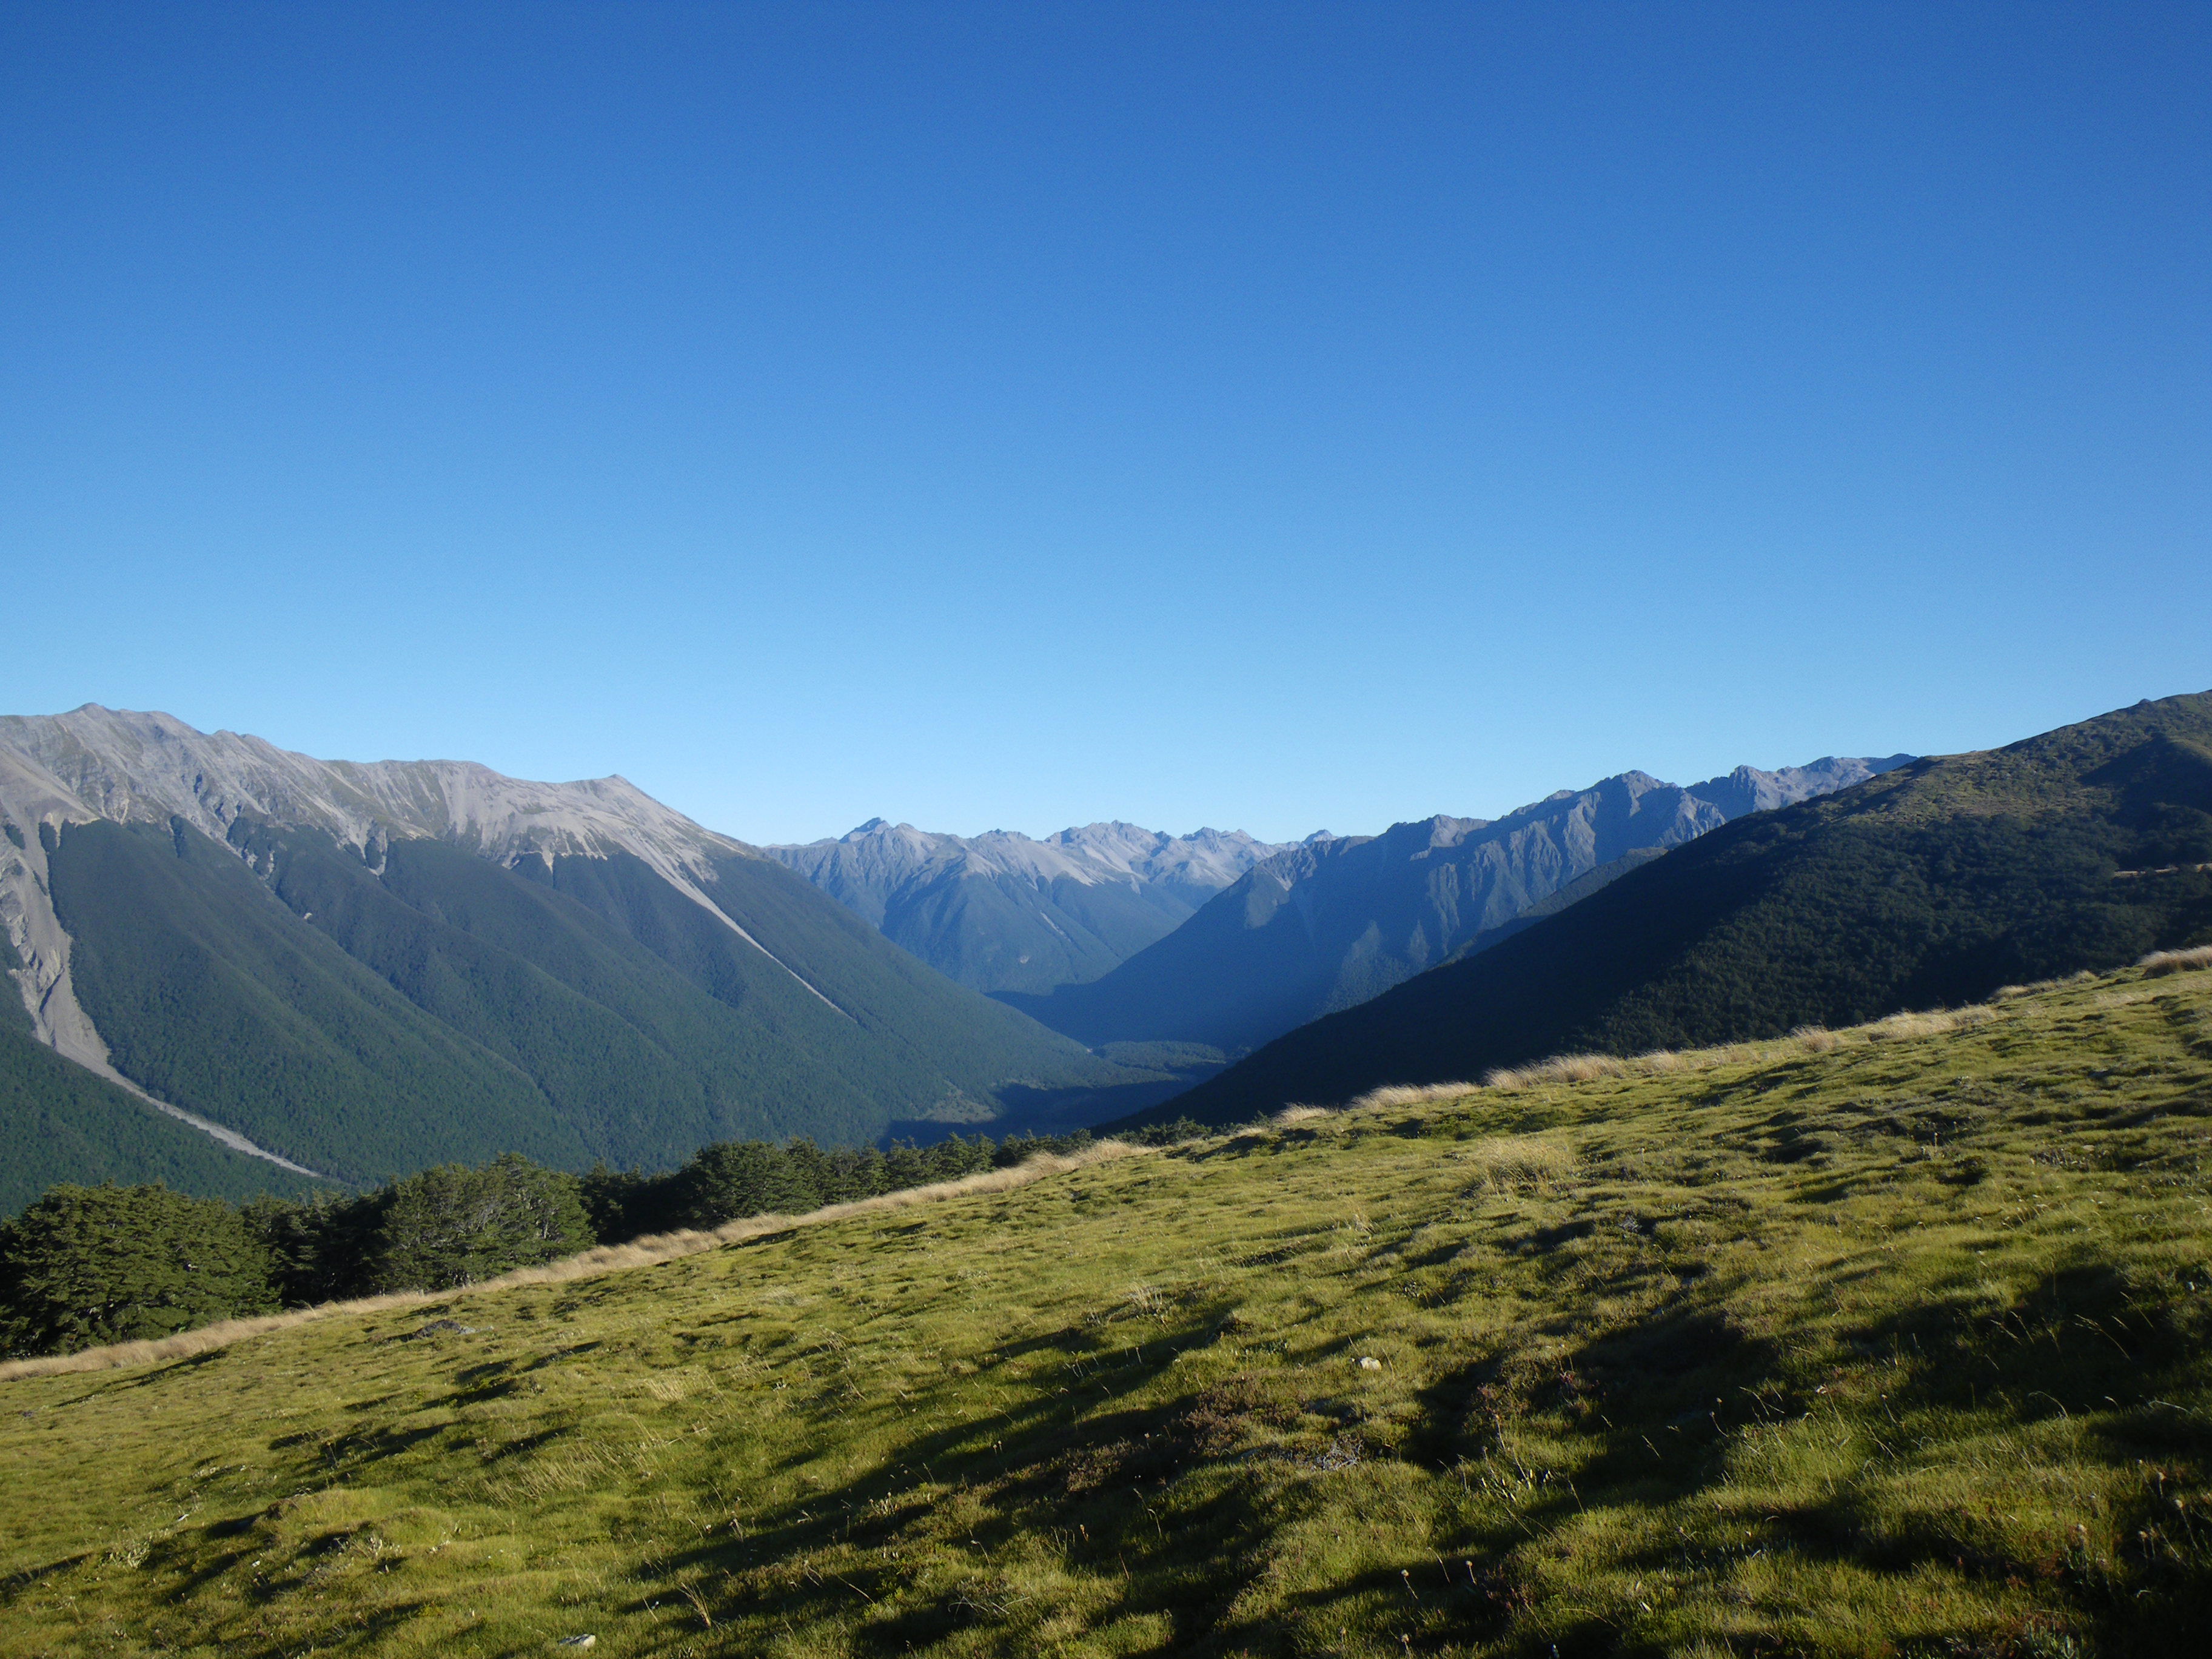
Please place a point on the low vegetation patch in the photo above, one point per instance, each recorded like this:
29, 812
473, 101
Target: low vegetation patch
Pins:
1894, 1344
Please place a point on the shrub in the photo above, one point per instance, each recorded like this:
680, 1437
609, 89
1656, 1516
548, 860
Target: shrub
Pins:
323, 1250
624, 1203
1168, 1134
87, 1266
737, 1178
452, 1226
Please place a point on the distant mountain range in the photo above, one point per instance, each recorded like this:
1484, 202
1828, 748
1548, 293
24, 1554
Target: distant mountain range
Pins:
1334, 922
362, 969
1935, 883
1003, 912
243, 969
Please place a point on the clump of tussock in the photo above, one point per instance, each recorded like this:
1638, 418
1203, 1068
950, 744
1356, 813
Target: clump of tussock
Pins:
2158, 964
153, 1351
1934, 1021
1299, 1112
1806, 1039
1591, 1068
1411, 1094
1560, 1068
1519, 1163
647, 1252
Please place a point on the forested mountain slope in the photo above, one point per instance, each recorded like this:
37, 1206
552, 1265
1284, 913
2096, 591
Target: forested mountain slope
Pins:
1333, 922
1002, 912
62, 1122
369, 968
1932, 884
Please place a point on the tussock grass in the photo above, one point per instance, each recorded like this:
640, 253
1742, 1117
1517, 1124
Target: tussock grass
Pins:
1394, 1095
1805, 1040
2158, 964
1522, 1163
1591, 1068
1898, 1345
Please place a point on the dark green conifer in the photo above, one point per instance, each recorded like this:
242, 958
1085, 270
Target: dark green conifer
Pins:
452, 1226
86, 1266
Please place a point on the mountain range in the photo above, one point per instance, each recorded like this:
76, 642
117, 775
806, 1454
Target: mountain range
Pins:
1003, 912
360, 969
1332, 921
244, 968
1935, 883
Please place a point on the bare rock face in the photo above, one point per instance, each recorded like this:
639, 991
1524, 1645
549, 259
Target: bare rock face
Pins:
125, 766
34, 806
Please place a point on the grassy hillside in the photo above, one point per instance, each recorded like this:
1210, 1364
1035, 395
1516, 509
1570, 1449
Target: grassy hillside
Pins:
1933, 885
1888, 1341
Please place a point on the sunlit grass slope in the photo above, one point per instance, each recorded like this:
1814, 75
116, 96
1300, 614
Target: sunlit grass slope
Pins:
1890, 1341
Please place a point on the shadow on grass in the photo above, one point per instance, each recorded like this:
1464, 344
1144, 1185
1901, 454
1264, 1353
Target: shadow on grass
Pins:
1175, 1511
1085, 1466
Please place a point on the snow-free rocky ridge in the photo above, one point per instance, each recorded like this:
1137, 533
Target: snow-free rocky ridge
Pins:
127, 766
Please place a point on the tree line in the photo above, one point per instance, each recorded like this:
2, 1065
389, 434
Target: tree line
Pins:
86, 1266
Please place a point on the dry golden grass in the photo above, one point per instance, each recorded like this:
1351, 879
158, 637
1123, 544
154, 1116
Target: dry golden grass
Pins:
647, 1252
1521, 1163
2160, 963
1805, 1040
1937, 1022
1560, 1068
1392, 1095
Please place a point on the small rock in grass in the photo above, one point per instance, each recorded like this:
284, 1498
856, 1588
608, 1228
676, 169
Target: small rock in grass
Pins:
577, 1642
1368, 1362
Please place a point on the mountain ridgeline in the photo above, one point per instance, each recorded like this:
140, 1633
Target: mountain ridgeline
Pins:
365, 970
1933, 885
1332, 922
1002, 912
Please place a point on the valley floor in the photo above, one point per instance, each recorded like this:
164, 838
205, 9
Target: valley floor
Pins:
1891, 1341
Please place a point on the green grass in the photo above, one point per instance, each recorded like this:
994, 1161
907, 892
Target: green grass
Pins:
1892, 1342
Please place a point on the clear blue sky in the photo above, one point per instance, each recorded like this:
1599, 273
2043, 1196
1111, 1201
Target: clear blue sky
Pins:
1266, 416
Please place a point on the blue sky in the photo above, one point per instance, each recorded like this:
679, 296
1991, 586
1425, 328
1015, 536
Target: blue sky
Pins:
1268, 416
